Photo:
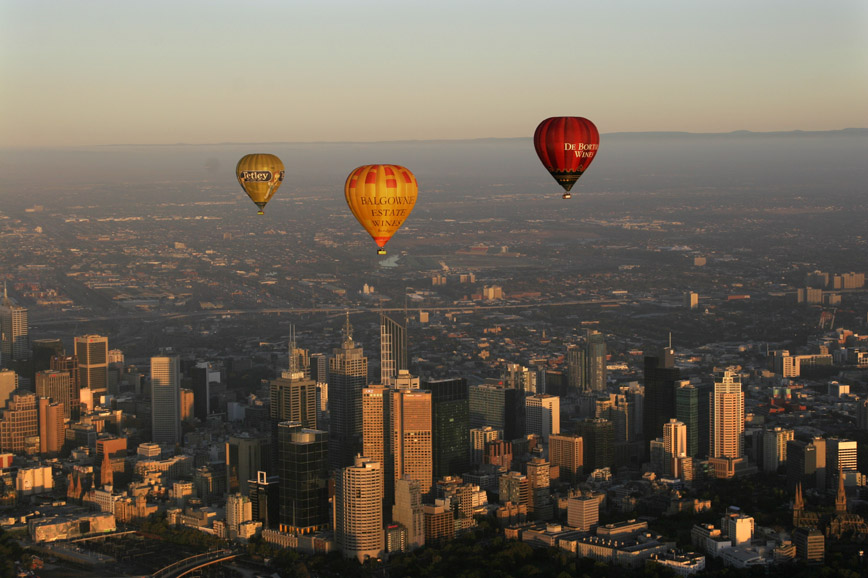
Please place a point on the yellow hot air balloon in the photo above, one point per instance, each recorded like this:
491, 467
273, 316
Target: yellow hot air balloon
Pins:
381, 198
260, 176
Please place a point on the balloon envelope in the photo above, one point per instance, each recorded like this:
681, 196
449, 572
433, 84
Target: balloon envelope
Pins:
566, 145
260, 176
381, 198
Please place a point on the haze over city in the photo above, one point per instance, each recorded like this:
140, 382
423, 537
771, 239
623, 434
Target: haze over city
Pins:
666, 374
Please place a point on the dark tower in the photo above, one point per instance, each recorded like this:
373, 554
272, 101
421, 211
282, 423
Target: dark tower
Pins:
660, 377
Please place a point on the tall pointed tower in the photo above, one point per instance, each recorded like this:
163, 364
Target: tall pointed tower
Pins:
348, 376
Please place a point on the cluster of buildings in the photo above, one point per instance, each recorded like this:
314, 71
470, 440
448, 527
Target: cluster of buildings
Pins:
324, 458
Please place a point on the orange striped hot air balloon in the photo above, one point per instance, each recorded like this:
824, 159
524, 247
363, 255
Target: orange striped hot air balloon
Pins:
381, 198
260, 176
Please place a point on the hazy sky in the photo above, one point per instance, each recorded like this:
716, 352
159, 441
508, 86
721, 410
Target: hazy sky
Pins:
90, 72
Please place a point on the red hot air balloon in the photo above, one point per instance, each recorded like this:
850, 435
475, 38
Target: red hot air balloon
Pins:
566, 145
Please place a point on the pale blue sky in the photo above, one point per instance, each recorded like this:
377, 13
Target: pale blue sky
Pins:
88, 72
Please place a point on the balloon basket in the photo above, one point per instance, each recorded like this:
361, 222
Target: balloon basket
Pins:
381, 251
568, 196
260, 212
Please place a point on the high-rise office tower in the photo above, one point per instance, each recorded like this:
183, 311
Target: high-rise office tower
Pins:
567, 452
661, 376
264, 492
69, 364
586, 365
303, 467
19, 423
14, 333
56, 385
239, 509
543, 415
408, 511
595, 361
52, 428
806, 464
674, 446
519, 377
479, 436
775, 448
319, 368
450, 399
598, 436
187, 402
166, 400
204, 375
348, 375
499, 407
92, 354
393, 349
246, 455
377, 437
687, 412
293, 394
727, 411
575, 368
841, 456
43, 350
412, 446
8, 384
358, 510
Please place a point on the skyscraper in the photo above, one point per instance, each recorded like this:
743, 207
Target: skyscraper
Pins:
69, 364
265, 499
674, 446
43, 350
775, 448
245, 456
204, 375
543, 415
598, 441
595, 362
293, 398
92, 354
303, 467
408, 510
14, 333
727, 429
377, 437
450, 399
8, 384
348, 375
687, 412
586, 365
358, 510
479, 436
412, 451
52, 428
393, 349
166, 400
19, 423
841, 456
567, 452
56, 385
499, 407
660, 378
